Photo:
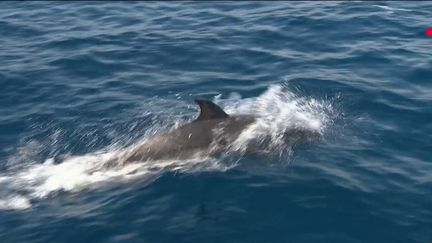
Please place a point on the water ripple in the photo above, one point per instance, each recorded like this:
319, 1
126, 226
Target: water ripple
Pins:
82, 80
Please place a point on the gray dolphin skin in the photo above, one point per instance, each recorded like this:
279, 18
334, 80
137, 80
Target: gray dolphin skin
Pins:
210, 133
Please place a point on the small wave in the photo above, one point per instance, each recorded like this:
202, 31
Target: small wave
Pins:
279, 110
391, 9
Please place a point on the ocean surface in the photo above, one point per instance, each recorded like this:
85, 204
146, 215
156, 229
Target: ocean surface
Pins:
83, 81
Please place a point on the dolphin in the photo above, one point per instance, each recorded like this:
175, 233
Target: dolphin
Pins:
212, 132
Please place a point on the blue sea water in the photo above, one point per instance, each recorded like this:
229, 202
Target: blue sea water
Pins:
80, 81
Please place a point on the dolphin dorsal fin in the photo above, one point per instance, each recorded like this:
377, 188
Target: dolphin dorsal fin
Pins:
209, 110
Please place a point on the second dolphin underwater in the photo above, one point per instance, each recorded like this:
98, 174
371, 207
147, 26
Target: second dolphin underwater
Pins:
212, 133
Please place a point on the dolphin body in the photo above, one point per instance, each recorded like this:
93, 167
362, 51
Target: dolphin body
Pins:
209, 134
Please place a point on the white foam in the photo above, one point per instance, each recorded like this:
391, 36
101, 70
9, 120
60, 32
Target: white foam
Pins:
15, 202
280, 109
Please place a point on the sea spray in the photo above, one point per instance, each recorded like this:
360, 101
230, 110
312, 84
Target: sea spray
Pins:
278, 108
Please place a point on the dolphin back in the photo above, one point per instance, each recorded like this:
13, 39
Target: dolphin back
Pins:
209, 133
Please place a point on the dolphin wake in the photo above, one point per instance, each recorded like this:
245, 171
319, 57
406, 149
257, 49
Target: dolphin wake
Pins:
279, 108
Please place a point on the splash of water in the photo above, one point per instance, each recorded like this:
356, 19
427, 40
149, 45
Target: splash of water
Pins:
279, 110
282, 113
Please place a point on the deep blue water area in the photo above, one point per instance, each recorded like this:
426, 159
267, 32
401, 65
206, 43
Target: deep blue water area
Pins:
80, 81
